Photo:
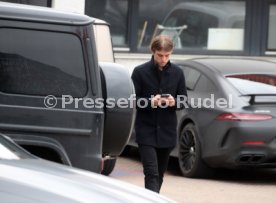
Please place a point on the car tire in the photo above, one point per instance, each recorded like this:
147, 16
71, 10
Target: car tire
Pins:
189, 154
109, 165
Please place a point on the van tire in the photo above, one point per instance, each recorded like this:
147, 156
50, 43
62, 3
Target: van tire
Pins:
109, 165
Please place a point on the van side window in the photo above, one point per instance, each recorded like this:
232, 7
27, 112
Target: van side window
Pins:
36, 62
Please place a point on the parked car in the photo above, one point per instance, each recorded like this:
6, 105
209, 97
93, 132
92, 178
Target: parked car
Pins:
54, 67
230, 120
25, 178
201, 17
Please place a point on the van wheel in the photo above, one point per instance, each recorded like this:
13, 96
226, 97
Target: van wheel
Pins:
189, 155
109, 165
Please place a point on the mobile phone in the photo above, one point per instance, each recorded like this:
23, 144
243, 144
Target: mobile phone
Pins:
165, 95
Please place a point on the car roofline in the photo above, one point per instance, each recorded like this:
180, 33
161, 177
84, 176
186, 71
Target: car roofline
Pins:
198, 60
19, 12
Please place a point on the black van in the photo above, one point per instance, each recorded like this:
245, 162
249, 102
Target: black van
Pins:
53, 89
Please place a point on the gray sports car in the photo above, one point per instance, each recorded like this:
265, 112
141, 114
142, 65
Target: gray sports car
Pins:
27, 179
230, 121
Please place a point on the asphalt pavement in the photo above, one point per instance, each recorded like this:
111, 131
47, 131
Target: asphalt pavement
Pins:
247, 186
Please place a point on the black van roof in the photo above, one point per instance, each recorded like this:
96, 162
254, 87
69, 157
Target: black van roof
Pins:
41, 14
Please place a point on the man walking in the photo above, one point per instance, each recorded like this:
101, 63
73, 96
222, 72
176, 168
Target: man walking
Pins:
158, 83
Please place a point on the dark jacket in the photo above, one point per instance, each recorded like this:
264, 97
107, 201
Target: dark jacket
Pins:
157, 126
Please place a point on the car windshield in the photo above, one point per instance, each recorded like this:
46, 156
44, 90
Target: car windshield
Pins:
254, 83
9, 150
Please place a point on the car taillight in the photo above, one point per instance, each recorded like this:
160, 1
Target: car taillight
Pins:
243, 117
253, 143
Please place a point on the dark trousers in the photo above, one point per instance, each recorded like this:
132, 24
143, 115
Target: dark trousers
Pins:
155, 162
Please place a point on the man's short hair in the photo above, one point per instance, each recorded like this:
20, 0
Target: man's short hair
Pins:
161, 43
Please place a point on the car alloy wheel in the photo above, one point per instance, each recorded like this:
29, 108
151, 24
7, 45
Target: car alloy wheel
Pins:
189, 157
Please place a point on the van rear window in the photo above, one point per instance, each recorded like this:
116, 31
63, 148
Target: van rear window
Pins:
41, 63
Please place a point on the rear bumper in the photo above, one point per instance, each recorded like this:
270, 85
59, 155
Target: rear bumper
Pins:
243, 158
242, 147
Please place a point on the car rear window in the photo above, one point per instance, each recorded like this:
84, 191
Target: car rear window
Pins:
254, 83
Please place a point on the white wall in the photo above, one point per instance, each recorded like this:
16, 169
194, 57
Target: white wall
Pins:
76, 6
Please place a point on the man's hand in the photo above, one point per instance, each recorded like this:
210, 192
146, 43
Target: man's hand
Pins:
171, 101
157, 100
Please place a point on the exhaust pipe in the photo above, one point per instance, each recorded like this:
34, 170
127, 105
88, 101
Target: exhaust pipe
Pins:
251, 159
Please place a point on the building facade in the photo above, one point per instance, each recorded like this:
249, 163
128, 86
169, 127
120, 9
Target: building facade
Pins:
233, 27
198, 27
